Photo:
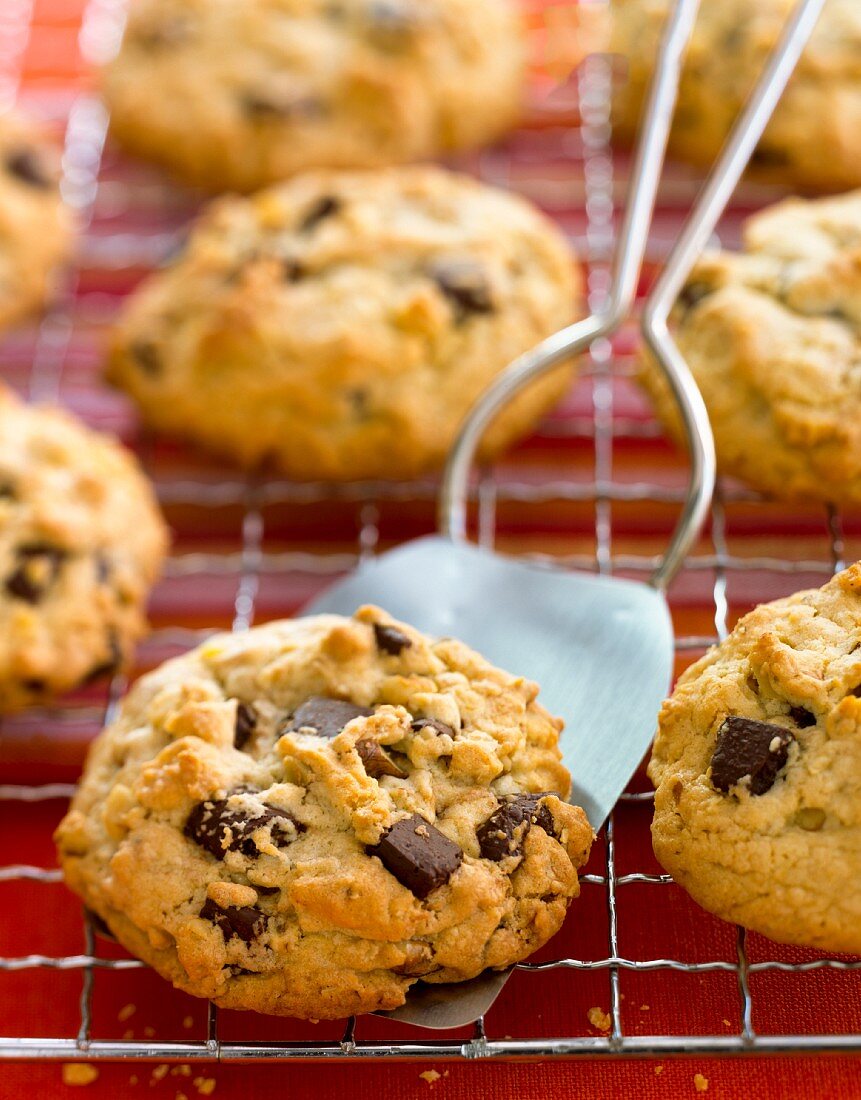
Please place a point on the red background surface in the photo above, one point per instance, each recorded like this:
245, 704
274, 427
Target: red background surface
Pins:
753, 551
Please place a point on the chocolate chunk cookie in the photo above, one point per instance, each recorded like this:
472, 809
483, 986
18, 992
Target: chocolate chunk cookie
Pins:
773, 337
341, 325
757, 765
269, 88
290, 873
35, 227
81, 541
814, 138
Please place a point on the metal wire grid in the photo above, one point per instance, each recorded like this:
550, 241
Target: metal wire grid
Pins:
85, 136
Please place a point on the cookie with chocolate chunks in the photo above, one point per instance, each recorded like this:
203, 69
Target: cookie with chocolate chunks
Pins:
274, 821
431, 281
758, 814
81, 543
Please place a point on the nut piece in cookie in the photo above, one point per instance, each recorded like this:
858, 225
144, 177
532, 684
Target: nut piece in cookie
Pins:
308, 817
760, 820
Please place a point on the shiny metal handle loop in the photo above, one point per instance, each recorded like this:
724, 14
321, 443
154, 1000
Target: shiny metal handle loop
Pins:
627, 262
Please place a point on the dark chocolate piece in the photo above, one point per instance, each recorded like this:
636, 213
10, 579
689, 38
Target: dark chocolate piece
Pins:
146, 356
802, 717
377, 761
325, 207
418, 855
271, 107
219, 829
746, 747
391, 24
111, 664
326, 717
391, 640
693, 293
432, 723
29, 167
504, 832
36, 571
246, 723
236, 920
464, 283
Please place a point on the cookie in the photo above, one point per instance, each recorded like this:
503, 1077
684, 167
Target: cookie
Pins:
81, 542
307, 818
341, 325
272, 87
773, 338
814, 137
35, 227
757, 765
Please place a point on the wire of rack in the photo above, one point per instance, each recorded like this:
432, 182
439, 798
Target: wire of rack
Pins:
598, 423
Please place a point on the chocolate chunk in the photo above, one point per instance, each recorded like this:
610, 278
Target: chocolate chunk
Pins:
693, 293
504, 832
111, 664
35, 685
377, 761
219, 829
391, 640
99, 926
36, 571
236, 920
749, 748
7, 490
768, 157
418, 855
146, 356
434, 724
464, 283
802, 717
246, 723
326, 717
292, 269
265, 891
29, 167
391, 24
103, 568
324, 207
165, 34
270, 107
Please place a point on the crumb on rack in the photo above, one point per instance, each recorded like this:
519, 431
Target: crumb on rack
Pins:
79, 1073
160, 1072
133, 1080
149, 1032
727, 1023
181, 1071
128, 1034
430, 1075
659, 1070
204, 1085
188, 1022
645, 1008
126, 1012
599, 1019
701, 1084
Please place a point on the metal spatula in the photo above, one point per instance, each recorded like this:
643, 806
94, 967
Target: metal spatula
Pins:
601, 648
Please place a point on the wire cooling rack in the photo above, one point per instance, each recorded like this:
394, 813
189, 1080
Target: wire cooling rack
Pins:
596, 488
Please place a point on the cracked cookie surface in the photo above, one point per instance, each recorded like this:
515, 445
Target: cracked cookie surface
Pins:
81, 542
341, 325
757, 765
35, 226
272, 87
814, 137
773, 338
306, 818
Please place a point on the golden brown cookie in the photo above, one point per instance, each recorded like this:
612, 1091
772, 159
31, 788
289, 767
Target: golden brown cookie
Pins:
81, 542
814, 138
341, 325
35, 227
234, 96
757, 766
773, 338
306, 818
